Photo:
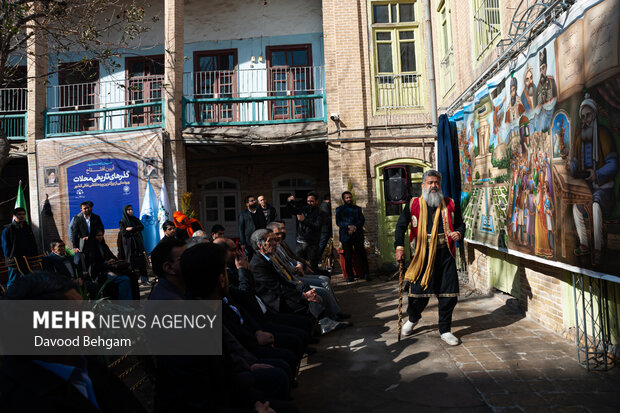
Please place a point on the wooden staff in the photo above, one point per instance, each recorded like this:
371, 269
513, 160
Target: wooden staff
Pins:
401, 276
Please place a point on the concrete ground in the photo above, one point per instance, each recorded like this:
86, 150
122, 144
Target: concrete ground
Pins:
505, 362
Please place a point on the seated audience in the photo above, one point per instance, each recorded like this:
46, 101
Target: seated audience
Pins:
293, 338
104, 267
277, 293
71, 268
58, 383
234, 380
290, 269
165, 259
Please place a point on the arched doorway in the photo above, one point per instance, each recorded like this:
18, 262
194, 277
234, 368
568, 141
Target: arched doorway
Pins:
219, 204
396, 181
283, 187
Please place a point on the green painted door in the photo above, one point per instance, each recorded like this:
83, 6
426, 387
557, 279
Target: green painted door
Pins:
389, 206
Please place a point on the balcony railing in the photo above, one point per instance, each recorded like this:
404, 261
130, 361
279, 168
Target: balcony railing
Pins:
398, 91
13, 106
487, 26
105, 106
254, 96
237, 97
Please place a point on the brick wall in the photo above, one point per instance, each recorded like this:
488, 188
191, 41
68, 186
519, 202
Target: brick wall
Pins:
64, 152
361, 140
541, 288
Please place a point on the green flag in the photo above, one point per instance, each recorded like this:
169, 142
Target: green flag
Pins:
21, 200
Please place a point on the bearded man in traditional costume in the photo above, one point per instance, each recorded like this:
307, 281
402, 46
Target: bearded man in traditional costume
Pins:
528, 97
435, 227
516, 108
595, 159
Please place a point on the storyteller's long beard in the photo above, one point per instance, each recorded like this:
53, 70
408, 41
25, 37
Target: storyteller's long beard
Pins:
433, 199
530, 89
587, 131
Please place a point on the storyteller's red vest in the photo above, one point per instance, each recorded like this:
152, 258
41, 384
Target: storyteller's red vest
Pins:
447, 217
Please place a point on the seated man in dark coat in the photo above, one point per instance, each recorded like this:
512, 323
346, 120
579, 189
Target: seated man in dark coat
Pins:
104, 268
232, 381
275, 292
59, 262
69, 267
165, 260
58, 383
242, 290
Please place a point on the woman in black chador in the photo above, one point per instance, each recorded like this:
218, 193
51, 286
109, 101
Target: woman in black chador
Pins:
133, 247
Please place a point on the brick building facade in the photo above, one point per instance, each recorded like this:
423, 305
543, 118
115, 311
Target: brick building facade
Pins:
329, 95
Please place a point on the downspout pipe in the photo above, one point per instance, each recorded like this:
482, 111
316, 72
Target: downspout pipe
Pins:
430, 68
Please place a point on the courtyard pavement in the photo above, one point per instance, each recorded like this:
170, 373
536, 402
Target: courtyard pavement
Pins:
505, 362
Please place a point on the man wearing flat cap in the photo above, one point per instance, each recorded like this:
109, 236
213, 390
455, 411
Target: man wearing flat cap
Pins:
595, 159
546, 90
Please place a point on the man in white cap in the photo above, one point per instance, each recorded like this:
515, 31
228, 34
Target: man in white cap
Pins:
595, 159
528, 97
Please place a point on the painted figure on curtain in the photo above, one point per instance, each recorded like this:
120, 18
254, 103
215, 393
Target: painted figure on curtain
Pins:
547, 89
561, 135
542, 146
595, 159
516, 109
528, 96
530, 214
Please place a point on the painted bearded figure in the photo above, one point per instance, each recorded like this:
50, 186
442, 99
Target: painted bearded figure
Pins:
516, 108
547, 89
528, 97
435, 227
595, 159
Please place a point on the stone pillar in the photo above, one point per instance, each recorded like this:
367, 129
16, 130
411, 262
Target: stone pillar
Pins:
37, 70
174, 148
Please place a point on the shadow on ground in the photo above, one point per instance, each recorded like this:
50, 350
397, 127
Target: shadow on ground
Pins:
505, 363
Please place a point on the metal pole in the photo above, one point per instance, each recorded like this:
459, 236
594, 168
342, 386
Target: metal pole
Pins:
585, 321
575, 301
430, 68
401, 276
430, 61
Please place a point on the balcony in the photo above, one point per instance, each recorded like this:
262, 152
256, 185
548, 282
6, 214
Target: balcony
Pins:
245, 97
104, 106
13, 106
398, 91
249, 97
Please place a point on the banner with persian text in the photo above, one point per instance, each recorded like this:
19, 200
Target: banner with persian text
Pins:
539, 143
109, 183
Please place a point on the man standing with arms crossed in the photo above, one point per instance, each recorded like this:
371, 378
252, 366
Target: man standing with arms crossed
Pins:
350, 220
435, 227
